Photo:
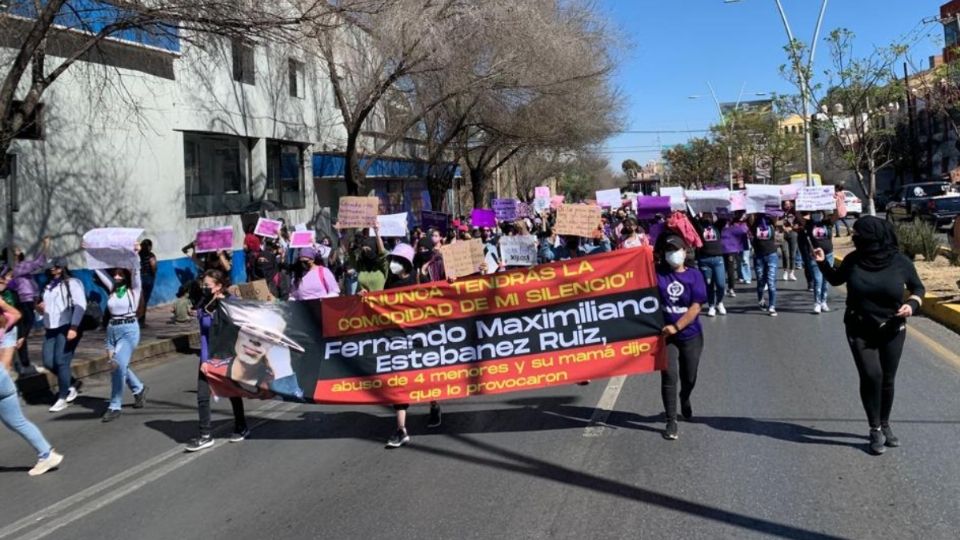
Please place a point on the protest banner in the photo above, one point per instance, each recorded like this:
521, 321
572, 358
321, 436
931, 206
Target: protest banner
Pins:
677, 199
255, 290
524, 210
541, 192
111, 247
550, 325
708, 200
358, 212
577, 220
557, 201
391, 226
609, 198
738, 200
268, 228
814, 198
482, 217
648, 207
210, 240
302, 239
434, 220
505, 209
788, 192
462, 258
541, 204
760, 196
519, 250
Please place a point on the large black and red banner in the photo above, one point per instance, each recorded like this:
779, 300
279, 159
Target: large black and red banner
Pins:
553, 324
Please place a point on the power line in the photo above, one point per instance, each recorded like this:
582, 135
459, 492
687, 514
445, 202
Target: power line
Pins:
658, 131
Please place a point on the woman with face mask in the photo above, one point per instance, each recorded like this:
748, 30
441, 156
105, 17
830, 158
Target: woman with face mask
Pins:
632, 235
817, 233
710, 260
370, 261
123, 336
63, 304
312, 281
428, 259
876, 275
683, 291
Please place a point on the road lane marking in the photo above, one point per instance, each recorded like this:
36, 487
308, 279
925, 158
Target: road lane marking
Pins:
934, 347
604, 407
51, 512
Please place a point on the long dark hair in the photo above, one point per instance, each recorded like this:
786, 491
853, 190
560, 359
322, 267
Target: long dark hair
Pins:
218, 276
127, 276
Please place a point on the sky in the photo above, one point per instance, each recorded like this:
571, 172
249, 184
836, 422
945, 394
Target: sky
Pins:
674, 48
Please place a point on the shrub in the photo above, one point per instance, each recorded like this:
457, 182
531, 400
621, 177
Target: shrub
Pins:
918, 238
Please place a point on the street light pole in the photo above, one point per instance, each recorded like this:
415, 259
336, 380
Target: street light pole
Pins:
723, 123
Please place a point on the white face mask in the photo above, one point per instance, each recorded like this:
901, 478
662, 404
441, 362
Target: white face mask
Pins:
396, 268
675, 258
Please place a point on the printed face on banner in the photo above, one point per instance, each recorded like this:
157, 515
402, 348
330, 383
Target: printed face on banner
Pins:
462, 258
519, 250
577, 220
302, 239
210, 240
358, 212
268, 228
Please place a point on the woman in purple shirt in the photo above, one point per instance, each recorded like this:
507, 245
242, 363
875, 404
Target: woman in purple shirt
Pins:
682, 293
20, 280
733, 237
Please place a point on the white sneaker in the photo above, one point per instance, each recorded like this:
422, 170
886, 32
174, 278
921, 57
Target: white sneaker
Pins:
50, 462
825, 307
793, 276
712, 312
71, 395
816, 308
721, 309
60, 405
772, 311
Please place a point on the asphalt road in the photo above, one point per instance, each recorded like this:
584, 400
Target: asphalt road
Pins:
777, 449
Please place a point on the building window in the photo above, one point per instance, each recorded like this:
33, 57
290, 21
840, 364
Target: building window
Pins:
216, 173
296, 78
285, 174
243, 68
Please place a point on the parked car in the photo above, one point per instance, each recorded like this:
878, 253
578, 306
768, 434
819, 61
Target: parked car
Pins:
935, 202
853, 203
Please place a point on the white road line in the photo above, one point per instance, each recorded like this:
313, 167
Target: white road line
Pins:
51, 512
604, 407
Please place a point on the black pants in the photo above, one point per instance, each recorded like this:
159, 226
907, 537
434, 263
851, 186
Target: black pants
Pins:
146, 288
203, 408
683, 362
24, 327
877, 355
731, 262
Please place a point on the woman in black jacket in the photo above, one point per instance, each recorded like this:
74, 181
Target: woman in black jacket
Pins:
876, 274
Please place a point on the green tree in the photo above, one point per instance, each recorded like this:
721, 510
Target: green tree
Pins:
698, 162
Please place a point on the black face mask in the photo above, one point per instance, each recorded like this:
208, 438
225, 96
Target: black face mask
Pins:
627, 231
421, 258
206, 294
369, 256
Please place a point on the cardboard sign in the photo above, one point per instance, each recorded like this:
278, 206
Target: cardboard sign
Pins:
609, 198
760, 196
358, 212
255, 290
708, 200
302, 239
505, 209
810, 199
577, 220
557, 201
462, 258
738, 200
649, 207
677, 199
482, 217
268, 228
434, 220
112, 248
392, 226
541, 192
519, 250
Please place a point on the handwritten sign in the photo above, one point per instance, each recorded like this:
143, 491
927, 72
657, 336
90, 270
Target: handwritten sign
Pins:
302, 239
524, 210
541, 192
649, 207
112, 248
209, 240
392, 225
708, 200
677, 199
255, 290
358, 212
519, 250
541, 204
462, 258
815, 198
434, 220
482, 217
268, 228
609, 198
760, 196
505, 209
577, 220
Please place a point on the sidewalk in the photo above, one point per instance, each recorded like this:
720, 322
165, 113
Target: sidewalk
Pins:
158, 338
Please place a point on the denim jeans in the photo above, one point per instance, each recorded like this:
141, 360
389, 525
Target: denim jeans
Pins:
715, 275
745, 266
766, 268
122, 340
57, 356
820, 285
12, 416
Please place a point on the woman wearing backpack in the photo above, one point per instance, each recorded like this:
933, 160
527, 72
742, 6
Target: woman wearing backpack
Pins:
63, 304
311, 280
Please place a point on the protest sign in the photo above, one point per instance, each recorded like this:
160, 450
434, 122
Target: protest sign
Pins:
760, 196
524, 210
557, 201
462, 258
577, 220
609, 198
788, 192
816, 198
505, 209
434, 220
550, 325
649, 207
541, 204
708, 200
392, 225
209, 240
111, 247
268, 228
677, 199
255, 290
541, 192
482, 217
358, 212
519, 250
302, 239
738, 200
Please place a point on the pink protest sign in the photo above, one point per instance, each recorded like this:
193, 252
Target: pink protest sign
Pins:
302, 239
557, 201
738, 200
268, 228
482, 217
209, 240
541, 192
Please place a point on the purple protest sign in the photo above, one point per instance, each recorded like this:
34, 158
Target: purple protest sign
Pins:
773, 211
268, 228
524, 210
649, 207
434, 220
209, 240
505, 209
482, 217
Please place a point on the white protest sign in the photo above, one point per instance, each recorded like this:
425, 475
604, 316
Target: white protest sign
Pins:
112, 248
810, 199
760, 196
789, 192
708, 200
392, 225
677, 199
541, 204
609, 198
520, 250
